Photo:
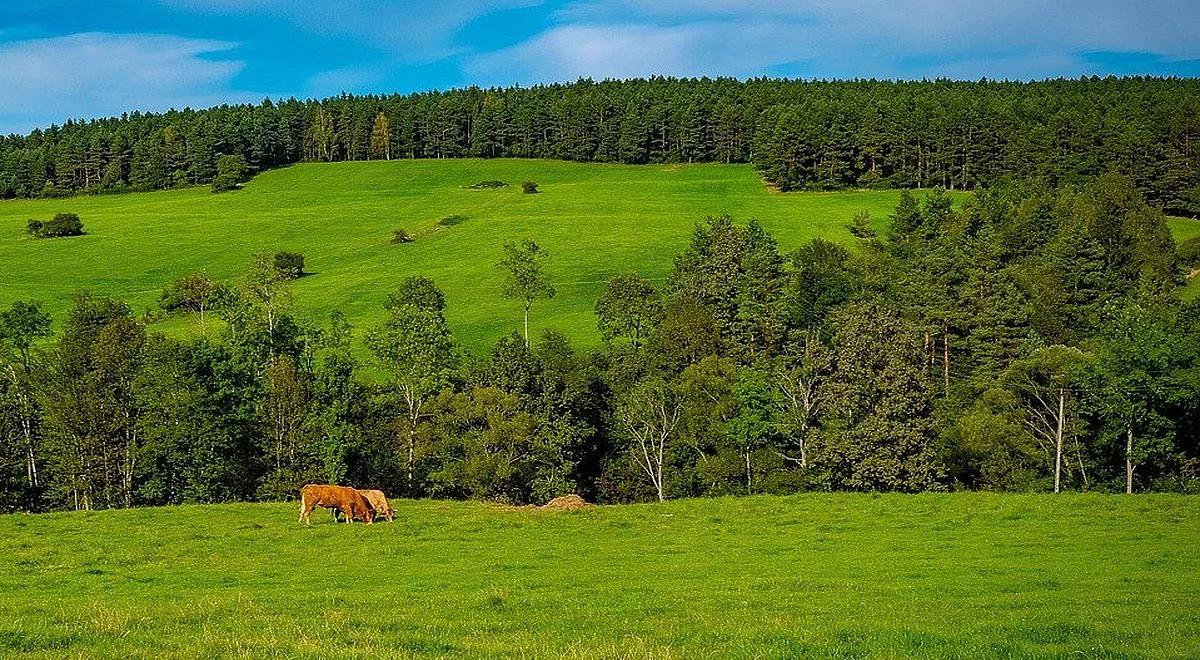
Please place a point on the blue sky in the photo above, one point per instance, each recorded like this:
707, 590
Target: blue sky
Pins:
63, 59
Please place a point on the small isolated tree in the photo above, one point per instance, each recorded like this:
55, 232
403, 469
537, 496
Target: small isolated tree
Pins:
231, 171
526, 281
860, 226
190, 293
289, 264
629, 307
529, 187
648, 417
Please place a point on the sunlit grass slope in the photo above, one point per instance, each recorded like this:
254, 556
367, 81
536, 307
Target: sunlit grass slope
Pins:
595, 221
809, 576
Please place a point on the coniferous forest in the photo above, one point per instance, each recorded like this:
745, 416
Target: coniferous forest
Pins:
802, 135
1029, 338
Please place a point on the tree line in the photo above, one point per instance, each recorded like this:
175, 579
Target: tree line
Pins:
801, 134
1028, 339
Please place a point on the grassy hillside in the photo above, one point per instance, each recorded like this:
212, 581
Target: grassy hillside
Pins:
963, 575
595, 220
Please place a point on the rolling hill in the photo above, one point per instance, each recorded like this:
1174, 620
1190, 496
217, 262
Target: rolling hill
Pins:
595, 220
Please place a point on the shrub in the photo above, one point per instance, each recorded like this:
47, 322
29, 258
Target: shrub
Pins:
231, 170
860, 227
289, 264
529, 187
451, 220
488, 184
1189, 252
191, 293
401, 236
63, 224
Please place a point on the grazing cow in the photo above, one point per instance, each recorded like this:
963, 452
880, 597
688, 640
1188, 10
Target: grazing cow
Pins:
349, 501
379, 503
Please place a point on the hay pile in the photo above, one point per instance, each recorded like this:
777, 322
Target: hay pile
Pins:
570, 502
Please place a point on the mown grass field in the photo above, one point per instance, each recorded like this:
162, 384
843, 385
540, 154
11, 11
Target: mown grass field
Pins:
824, 576
595, 220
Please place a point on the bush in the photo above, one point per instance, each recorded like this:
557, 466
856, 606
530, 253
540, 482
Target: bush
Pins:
529, 187
489, 184
231, 170
289, 264
860, 227
190, 293
63, 224
451, 220
1189, 252
401, 236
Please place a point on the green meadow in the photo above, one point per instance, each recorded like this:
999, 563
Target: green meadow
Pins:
969, 575
596, 221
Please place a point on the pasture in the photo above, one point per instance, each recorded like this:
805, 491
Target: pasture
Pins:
966, 575
596, 221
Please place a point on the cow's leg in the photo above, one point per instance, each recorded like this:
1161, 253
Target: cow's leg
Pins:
305, 509
348, 511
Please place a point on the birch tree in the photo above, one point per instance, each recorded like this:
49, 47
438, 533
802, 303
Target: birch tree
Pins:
647, 417
525, 279
267, 288
1046, 381
415, 347
799, 378
21, 325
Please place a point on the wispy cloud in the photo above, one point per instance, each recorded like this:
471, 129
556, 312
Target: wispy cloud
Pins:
411, 31
111, 73
827, 38
82, 58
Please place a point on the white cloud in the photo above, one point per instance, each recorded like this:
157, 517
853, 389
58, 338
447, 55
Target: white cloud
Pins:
95, 74
828, 38
621, 51
413, 31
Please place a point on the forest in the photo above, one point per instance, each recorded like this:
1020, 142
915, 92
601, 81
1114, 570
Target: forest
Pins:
817, 135
1028, 339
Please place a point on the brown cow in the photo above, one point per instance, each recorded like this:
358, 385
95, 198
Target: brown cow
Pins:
379, 502
349, 501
